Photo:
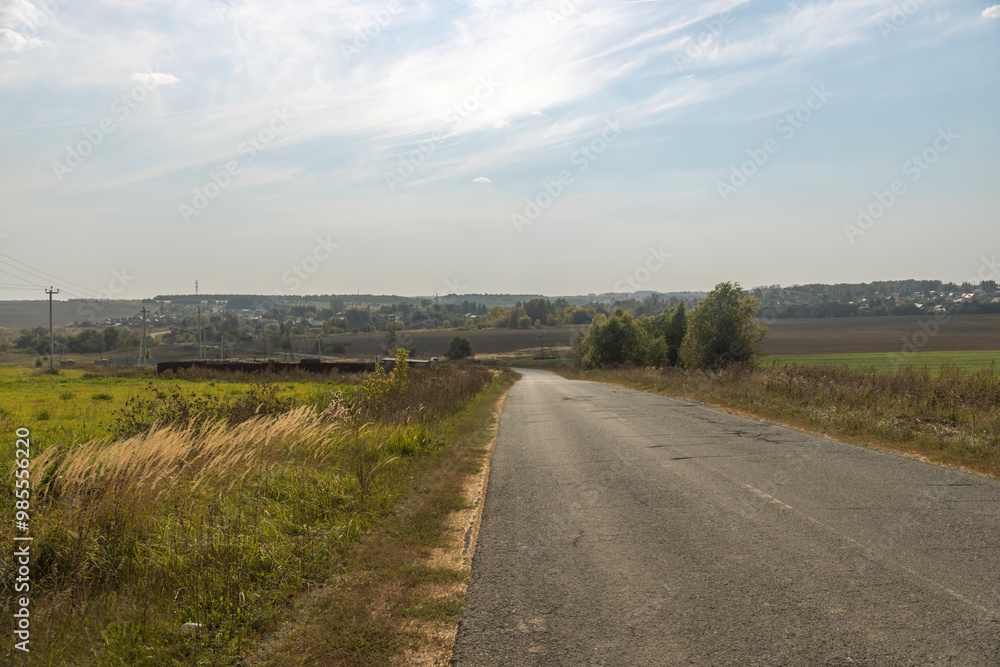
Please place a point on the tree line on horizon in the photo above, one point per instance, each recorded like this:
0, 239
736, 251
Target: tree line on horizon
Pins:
280, 322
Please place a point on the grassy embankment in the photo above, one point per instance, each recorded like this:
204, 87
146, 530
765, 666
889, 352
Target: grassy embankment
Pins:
220, 518
967, 360
403, 591
950, 417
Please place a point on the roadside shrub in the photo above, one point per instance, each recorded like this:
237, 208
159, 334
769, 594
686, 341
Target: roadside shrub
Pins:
723, 329
615, 341
460, 347
186, 408
440, 389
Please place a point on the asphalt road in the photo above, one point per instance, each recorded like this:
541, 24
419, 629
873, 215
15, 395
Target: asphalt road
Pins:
625, 528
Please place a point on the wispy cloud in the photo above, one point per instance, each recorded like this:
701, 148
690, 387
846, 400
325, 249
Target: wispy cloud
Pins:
11, 41
553, 83
154, 78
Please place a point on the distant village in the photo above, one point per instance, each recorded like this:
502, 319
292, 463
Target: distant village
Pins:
366, 313
311, 324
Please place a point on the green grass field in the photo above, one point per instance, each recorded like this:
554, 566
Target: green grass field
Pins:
69, 408
969, 360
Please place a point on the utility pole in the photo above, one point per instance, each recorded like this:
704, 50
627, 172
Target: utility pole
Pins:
201, 347
142, 341
52, 340
222, 346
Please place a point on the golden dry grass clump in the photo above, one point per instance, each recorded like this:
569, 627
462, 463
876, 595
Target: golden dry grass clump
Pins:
170, 456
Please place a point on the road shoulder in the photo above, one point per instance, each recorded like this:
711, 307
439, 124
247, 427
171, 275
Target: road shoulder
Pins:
400, 596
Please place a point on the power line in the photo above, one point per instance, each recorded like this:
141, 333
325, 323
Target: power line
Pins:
13, 275
44, 275
33, 285
78, 296
49, 275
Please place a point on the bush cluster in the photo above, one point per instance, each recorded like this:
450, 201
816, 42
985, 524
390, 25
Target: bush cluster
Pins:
175, 406
722, 329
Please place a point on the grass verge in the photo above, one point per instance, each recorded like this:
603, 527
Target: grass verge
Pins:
950, 418
400, 593
187, 544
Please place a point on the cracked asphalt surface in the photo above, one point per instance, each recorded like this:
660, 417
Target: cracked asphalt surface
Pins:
625, 528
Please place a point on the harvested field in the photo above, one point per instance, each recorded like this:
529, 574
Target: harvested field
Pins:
485, 341
27, 314
881, 334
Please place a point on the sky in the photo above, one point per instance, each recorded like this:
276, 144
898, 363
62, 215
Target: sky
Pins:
492, 146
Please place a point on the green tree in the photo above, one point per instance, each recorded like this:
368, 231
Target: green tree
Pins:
723, 329
35, 339
88, 340
615, 341
655, 344
674, 334
460, 347
540, 309
516, 317
581, 315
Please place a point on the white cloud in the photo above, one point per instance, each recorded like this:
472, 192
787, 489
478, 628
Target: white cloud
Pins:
21, 13
155, 78
481, 179
384, 102
992, 12
285, 57
15, 41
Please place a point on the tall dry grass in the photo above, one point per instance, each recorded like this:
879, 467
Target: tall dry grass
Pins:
212, 523
169, 457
